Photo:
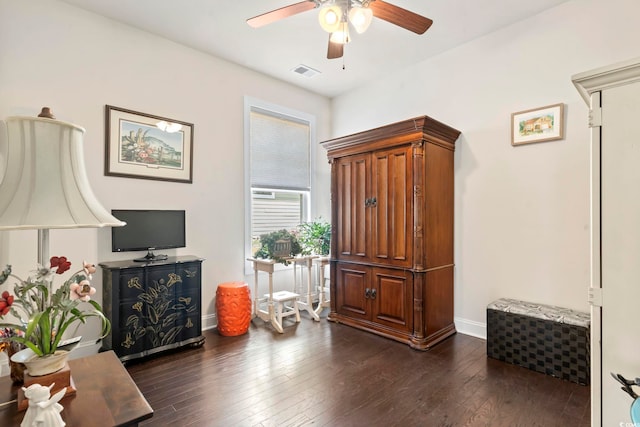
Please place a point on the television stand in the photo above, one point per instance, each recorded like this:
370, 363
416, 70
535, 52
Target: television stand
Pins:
151, 257
152, 307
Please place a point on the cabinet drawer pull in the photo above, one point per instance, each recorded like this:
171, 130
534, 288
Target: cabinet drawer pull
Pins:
373, 293
367, 293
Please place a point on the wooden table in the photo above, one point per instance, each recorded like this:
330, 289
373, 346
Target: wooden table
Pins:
106, 395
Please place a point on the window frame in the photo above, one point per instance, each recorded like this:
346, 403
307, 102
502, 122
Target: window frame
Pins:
253, 104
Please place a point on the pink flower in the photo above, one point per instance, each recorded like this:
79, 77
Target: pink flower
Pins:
88, 268
82, 291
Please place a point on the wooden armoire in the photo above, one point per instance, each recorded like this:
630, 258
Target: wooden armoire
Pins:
392, 230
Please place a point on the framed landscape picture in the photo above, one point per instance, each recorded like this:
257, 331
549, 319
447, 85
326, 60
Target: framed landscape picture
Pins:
537, 125
140, 145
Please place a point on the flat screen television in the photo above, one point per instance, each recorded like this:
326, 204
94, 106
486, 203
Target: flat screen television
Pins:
148, 230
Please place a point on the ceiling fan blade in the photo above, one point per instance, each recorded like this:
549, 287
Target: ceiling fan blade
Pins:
399, 16
335, 50
283, 12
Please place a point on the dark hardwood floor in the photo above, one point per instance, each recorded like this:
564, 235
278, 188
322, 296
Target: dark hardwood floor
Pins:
328, 374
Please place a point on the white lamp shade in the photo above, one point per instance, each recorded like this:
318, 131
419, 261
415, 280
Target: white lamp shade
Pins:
341, 36
330, 17
45, 183
360, 18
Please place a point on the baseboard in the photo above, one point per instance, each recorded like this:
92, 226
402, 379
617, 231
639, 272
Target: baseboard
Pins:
471, 327
209, 321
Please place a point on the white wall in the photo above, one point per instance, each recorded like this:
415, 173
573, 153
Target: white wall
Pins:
522, 213
53, 54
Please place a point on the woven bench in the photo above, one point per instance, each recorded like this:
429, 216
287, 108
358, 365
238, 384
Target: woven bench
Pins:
547, 339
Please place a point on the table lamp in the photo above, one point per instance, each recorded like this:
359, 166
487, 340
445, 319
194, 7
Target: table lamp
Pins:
45, 184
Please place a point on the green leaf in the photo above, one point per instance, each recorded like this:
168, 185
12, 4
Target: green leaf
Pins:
5, 274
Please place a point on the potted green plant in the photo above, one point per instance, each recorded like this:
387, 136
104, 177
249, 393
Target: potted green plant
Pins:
315, 237
43, 312
279, 246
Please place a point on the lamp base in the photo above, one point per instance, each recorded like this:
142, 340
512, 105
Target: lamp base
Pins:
62, 379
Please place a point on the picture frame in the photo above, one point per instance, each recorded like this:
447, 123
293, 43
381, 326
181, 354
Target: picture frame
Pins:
146, 146
537, 125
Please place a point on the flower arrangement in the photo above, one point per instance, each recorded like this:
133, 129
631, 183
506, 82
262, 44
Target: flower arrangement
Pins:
45, 313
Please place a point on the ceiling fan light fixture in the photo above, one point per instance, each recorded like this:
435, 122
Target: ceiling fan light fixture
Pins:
341, 36
360, 18
330, 17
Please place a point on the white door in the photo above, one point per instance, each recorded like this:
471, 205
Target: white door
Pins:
620, 247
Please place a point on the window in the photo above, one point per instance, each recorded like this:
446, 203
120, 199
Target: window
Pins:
279, 152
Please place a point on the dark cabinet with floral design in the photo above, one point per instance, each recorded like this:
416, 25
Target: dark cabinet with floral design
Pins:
152, 306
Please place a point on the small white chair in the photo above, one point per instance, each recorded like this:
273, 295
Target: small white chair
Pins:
282, 309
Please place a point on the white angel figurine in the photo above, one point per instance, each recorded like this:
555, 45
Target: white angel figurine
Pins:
42, 411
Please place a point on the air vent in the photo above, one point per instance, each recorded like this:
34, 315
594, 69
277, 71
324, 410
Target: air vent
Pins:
303, 70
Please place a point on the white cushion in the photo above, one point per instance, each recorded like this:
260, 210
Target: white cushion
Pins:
542, 311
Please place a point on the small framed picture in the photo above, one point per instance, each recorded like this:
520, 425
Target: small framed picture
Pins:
537, 125
140, 145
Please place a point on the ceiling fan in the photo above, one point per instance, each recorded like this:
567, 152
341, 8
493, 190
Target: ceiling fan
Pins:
335, 16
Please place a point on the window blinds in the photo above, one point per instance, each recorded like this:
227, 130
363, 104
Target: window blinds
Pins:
280, 152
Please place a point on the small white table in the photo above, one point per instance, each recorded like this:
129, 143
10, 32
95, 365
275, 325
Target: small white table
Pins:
306, 302
276, 302
324, 298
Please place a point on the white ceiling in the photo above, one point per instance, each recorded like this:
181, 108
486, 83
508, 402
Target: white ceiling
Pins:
219, 27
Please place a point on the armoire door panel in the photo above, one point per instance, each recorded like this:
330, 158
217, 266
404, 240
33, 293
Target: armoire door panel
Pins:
352, 198
392, 303
379, 217
343, 206
401, 208
438, 196
359, 212
351, 300
391, 216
